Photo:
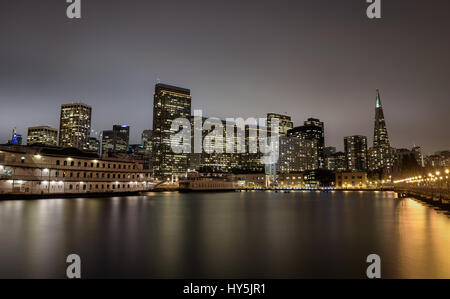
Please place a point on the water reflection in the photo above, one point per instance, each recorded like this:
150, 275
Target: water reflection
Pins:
225, 235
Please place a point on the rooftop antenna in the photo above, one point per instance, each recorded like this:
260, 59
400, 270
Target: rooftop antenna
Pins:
158, 80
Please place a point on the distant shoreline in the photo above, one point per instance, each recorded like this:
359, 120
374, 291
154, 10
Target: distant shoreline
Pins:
143, 193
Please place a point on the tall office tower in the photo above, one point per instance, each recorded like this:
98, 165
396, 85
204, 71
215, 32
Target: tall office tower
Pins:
382, 152
313, 129
329, 159
75, 125
93, 145
116, 140
147, 147
356, 152
285, 123
169, 103
121, 135
43, 135
107, 141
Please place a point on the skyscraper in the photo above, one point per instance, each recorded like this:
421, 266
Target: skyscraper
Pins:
43, 135
382, 152
285, 123
356, 153
313, 129
75, 125
116, 140
417, 151
169, 103
121, 138
296, 155
146, 140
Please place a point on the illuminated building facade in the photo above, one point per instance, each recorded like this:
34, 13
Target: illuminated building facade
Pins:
107, 141
42, 135
146, 140
296, 155
351, 180
116, 140
41, 171
93, 145
170, 103
313, 129
121, 137
340, 161
381, 154
356, 152
75, 125
285, 123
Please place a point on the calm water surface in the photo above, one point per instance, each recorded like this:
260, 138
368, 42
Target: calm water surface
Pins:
225, 235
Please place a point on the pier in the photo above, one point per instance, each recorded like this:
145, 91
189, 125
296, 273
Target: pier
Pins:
439, 197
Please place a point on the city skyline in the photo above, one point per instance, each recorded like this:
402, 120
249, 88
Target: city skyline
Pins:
97, 134
230, 70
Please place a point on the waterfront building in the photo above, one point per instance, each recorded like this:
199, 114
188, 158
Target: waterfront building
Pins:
291, 180
356, 152
252, 180
319, 178
351, 180
50, 170
42, 135
381, 154
169, 103
75, 125
195, 181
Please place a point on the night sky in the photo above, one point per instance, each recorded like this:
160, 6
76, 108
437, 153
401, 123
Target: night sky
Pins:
311, 58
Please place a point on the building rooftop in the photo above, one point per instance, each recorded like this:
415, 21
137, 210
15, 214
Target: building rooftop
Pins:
161, 86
